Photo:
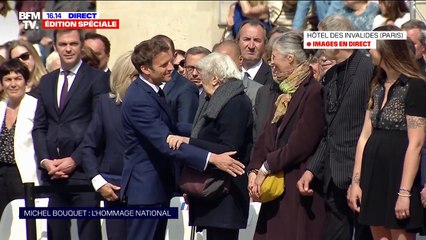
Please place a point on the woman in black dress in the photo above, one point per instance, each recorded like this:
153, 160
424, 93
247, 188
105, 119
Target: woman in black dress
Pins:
385, 185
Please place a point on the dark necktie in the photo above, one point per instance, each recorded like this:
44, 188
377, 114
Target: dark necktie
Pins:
162, 96
64, 90
247, 76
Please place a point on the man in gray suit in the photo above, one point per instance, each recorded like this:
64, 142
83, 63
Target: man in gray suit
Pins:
346, 94
251, 87
231, 49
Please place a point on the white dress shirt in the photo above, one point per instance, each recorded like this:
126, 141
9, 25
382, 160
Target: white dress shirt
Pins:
71, 76
252, 71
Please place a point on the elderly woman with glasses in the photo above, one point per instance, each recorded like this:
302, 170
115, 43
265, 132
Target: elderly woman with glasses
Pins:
17, 157
223, 123
25, 52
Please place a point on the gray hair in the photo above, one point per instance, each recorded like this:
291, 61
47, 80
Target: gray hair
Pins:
220, 65
336, 23
292, 43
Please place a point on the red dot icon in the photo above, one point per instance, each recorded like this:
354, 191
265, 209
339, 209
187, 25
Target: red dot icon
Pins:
308, 44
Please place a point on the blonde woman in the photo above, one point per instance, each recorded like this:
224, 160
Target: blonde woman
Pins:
26, 53
105, 135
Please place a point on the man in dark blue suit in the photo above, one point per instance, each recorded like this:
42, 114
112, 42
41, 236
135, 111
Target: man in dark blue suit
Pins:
148, 175
181, 93
67, 99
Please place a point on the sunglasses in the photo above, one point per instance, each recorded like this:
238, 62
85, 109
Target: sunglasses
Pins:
181, 63
24, 56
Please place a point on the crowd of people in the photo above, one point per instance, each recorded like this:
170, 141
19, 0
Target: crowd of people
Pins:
345, 126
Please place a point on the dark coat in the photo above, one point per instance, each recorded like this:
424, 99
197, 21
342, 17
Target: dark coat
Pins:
104, 137
148, 170
59, 133
288, 145
265, 100
182, 97
230, 131
264, 75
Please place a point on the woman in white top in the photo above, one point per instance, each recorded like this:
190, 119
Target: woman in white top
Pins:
17, 158
392, 13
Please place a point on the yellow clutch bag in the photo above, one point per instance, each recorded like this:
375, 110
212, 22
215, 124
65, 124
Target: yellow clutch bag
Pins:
272, 187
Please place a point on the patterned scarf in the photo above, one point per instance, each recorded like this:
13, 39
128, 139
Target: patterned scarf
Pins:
289, 83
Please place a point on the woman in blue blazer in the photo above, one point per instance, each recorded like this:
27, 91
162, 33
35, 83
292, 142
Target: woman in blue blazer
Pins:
103, 145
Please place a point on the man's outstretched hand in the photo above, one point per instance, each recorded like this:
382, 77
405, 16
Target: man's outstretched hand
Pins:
227, 164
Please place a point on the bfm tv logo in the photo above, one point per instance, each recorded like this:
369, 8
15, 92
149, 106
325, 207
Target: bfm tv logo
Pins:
29, 19
66, 20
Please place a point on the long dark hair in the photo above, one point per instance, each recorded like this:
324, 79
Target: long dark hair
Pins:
394, 9
396, 55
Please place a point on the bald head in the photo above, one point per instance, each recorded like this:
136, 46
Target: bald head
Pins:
231, 49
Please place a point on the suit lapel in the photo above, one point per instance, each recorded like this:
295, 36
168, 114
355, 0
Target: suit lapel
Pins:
262, 75
331, 96
348, 80
77, 80
54, 91
154, 95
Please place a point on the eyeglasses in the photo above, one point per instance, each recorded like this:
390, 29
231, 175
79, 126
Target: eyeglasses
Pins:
24, 56
190, 69
181, 64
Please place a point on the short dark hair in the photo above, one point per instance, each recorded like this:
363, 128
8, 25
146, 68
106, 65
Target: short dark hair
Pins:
254, 23
144, 52
180, 52
56, 31
16, 66
105, 40
169, 41
197, 50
